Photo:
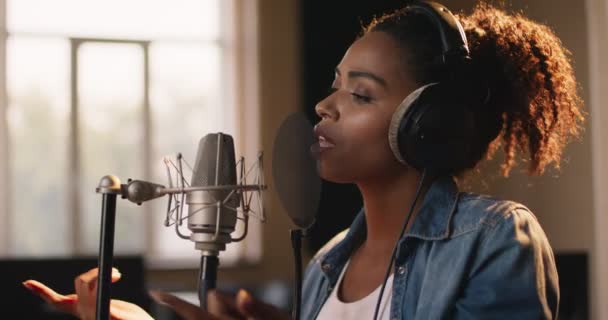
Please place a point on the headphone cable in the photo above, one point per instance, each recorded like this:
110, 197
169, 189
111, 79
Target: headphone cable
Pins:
390, 264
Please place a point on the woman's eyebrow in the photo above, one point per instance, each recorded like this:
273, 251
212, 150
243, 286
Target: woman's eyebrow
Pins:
364, 74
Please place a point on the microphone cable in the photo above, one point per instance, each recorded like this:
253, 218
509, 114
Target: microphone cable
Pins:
390, 264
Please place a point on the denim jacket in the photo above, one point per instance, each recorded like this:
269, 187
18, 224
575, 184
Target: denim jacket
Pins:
466, 256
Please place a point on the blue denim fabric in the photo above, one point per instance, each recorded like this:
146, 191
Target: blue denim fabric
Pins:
466, 256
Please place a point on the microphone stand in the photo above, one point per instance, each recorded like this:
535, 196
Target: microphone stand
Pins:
207, 278
109, 187
296, 244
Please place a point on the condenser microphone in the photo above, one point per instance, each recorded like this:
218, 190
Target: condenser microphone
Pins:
212, 214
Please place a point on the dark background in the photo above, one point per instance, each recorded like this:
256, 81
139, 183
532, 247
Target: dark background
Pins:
328, 29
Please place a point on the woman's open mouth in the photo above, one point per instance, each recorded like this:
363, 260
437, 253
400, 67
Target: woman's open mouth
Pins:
322, 145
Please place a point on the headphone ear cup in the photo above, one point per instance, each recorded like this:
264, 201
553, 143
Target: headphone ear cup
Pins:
437, 131
399, 122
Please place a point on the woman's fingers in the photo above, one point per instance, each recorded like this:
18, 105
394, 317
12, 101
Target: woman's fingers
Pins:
183, 308
120, 310
69, 303
47, 294
86, 290
86, 283
88, 280
252, 308
222, 304
83, 303
64, 303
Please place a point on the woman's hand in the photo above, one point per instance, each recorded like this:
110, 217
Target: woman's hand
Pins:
222, 306
82, 304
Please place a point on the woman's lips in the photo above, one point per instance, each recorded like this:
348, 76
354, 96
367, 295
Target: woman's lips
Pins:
323, 142
322, 145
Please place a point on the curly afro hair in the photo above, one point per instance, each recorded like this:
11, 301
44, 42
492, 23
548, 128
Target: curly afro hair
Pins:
534, 108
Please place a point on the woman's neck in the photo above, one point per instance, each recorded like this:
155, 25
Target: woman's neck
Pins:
387, 202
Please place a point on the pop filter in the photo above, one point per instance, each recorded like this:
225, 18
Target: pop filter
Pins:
294, 170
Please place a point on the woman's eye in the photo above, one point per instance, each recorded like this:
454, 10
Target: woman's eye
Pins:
361, 98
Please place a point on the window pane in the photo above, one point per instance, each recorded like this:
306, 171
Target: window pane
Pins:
187, 104
38, 115
116, 18
189, 98
111, 94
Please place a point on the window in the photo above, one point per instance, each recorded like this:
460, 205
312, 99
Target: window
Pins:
110, 87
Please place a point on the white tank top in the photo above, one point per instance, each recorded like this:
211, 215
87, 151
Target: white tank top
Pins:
361, 309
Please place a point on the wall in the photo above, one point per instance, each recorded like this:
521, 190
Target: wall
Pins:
597, 12
562, 201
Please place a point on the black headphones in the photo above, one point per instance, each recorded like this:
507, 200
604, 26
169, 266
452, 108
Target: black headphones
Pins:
433, 128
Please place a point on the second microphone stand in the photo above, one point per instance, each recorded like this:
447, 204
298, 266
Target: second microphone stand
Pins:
109, 187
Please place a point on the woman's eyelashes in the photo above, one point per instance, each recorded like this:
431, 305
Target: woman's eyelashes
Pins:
356, 97
359, 98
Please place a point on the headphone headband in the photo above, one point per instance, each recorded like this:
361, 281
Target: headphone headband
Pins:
453, 39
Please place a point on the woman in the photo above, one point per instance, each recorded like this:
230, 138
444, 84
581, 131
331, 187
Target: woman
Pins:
452, 255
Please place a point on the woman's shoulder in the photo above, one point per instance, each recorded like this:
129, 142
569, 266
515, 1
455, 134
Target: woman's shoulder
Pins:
329, 245
479, 211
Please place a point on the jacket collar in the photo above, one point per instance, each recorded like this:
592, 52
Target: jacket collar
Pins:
431, 223
433, 219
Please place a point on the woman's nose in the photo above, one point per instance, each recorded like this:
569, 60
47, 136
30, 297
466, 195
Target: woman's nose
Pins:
326, 109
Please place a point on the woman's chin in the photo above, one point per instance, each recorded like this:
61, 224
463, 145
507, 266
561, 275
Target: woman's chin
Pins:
330, 175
